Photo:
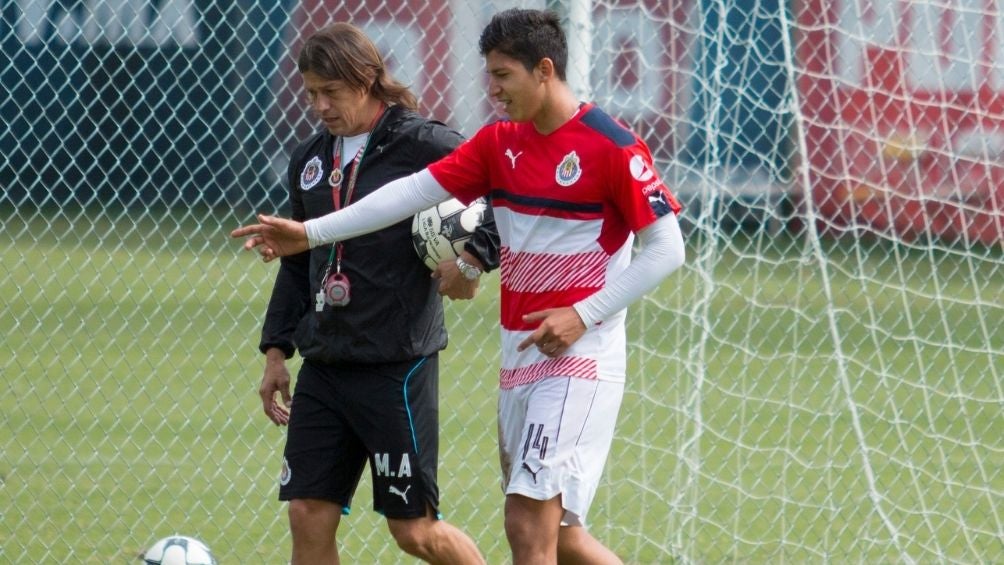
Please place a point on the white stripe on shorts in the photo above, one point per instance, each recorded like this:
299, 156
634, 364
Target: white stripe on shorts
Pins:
554, 437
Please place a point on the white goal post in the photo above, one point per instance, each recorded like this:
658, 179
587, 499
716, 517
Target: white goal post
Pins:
822, 382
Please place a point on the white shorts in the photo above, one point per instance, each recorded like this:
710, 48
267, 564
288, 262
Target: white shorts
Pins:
554, 437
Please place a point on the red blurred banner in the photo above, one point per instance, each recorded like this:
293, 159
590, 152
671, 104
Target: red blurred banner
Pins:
905, 129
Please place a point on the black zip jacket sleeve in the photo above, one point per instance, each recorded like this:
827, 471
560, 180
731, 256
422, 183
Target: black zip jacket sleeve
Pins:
291, 291
484, 244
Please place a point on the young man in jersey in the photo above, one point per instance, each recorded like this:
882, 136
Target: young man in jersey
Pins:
569, 187
365, 316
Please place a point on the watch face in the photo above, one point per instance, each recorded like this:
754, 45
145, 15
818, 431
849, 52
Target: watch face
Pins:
469, 271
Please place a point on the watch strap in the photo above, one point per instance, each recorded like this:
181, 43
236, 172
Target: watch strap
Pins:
469, 271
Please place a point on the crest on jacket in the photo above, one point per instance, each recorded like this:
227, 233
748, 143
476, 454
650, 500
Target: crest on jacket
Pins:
311, 173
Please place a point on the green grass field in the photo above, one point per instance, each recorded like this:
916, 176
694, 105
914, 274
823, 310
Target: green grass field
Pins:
784, 404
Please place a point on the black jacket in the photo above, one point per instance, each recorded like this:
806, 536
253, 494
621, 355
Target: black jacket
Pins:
394, 313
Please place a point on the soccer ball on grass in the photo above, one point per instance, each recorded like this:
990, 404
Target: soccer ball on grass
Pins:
178, 550
439, 233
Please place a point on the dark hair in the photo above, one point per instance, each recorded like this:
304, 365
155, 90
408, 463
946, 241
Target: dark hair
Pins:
342, 52
527, 36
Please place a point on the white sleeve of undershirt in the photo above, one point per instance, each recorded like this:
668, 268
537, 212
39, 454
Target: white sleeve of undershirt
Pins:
661, 253
385, 206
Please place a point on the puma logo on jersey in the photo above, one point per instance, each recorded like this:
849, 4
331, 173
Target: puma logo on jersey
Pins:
508, 153
403, 494
658, 203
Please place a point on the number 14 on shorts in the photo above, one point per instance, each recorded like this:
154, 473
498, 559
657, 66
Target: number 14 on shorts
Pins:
535, 446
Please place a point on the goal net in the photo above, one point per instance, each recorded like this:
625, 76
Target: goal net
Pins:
823, 381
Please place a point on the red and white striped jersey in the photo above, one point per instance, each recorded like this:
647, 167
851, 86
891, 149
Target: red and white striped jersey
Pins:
566, 205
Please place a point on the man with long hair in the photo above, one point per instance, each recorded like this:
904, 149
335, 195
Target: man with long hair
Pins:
365, 315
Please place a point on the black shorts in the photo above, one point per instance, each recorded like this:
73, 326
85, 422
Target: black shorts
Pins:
343, 417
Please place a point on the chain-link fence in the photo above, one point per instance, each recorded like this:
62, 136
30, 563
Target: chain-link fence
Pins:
822, 382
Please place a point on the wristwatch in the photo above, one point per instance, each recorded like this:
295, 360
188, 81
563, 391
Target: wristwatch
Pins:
469, 271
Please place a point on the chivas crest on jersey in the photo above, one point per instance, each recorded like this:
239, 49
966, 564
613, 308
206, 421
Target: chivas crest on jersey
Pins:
568, 170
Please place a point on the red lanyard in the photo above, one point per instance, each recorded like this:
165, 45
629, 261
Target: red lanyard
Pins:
335, 180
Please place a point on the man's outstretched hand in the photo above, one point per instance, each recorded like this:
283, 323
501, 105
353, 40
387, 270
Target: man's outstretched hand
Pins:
273, 237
